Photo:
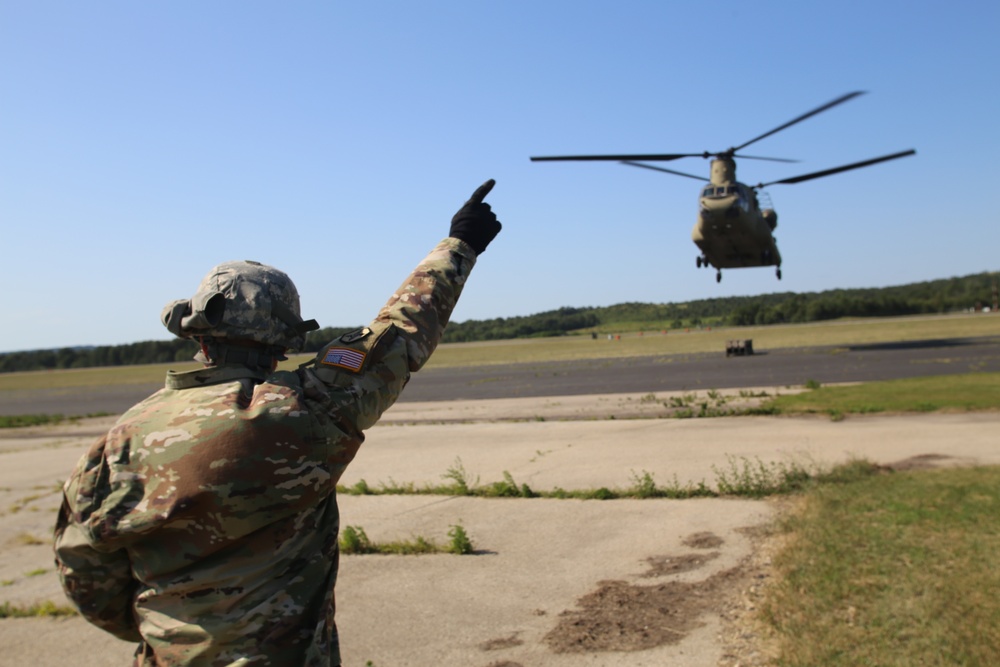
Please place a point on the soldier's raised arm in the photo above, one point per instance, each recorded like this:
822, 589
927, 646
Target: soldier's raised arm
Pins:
423, 304
376, 361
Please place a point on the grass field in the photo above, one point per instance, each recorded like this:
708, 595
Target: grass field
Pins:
892, 570
954, 393
656, 342
634, 344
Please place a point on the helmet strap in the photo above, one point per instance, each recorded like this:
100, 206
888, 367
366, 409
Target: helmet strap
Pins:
203, 355
295, 326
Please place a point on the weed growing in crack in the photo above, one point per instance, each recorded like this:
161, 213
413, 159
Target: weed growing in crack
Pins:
457, 474
741, 477
460, 542
755, 479
354, 540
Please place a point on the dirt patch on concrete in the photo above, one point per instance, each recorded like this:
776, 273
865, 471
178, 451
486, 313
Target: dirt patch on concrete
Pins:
662, 566
620, 616
501, 643
920, 462
703, 540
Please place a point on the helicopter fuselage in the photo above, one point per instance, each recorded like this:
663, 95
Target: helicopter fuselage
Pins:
732, 231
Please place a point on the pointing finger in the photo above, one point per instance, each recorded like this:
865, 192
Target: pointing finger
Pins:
480, 194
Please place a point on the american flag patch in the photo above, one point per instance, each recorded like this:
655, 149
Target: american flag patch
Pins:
344, 357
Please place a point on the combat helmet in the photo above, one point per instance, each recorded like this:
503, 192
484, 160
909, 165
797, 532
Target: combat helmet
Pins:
241, 304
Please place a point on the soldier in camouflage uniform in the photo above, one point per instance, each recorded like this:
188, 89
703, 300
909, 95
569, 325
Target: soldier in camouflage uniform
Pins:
204, 524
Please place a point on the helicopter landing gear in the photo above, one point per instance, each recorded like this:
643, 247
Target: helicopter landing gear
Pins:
718, 276
777, 272
701, 261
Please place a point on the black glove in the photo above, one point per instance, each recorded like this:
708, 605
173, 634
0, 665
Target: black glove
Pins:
475, 223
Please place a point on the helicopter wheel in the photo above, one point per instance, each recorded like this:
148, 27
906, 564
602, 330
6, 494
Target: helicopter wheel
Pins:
777, 272
718, 277
698, 261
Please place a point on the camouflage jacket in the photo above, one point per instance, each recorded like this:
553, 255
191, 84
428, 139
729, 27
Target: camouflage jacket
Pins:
204, 524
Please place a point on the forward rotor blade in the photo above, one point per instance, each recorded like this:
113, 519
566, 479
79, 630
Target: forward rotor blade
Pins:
769, 159
668, 171
618, 158
837, 170
815, 111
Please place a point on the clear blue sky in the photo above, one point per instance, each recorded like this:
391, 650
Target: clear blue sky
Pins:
141, 143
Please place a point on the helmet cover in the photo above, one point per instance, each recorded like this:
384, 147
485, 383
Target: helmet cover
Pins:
241, 300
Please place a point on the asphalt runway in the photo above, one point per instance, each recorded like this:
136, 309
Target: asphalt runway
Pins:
765, 368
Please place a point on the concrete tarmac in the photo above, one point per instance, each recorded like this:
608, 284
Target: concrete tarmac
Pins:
551, 582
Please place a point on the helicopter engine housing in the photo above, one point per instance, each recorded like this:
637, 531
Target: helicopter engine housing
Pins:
723, 171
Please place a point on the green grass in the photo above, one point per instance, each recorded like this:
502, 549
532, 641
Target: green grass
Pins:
90, 377
45, 609
959, 393
20, 421
354, 540
891, 570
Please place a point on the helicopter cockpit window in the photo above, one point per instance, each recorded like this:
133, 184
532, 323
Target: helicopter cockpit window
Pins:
721, 191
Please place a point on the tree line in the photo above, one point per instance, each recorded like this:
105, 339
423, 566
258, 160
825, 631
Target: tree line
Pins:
936, 296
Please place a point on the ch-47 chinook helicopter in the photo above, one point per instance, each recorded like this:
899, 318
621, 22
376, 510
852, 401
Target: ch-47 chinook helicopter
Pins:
733, 231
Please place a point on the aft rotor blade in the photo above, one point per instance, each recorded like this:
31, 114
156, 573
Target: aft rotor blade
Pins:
815, 111
668, 171
837, 170
619, 158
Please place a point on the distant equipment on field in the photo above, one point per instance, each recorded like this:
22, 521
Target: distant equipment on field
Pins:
739, 348
732, 230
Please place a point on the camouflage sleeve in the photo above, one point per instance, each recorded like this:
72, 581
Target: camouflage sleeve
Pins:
421, 307
371, 366
99, 584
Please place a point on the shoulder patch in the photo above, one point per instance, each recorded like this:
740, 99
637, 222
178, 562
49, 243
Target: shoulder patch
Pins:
344, 357
355, 336
353, 352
